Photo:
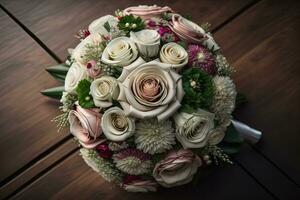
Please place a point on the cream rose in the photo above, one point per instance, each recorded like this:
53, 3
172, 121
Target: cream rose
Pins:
75, 74
116, 125
216, 135
147, 41
192, 32
147, 12
177, 168
120, 51
85, 126
97, 26
104, 90
174, 54
192, 130
150, 90
80, 50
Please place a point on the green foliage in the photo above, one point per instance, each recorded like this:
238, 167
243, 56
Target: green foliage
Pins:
94, 51
104, 167
83, 91
55, 92
60, 69
58, 72
232, 141
131, 23
201, 94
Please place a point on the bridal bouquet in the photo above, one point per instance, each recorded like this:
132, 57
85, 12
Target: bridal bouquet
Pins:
148, 96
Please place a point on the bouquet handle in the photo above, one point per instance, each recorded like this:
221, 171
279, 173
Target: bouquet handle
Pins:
251, 135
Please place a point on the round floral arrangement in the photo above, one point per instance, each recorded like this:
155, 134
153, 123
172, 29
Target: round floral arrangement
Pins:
148, 96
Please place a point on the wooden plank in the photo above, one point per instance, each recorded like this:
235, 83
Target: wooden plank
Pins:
63, 15
263, 44
37, 170
26, 130
55, 22
73, 179
265, 173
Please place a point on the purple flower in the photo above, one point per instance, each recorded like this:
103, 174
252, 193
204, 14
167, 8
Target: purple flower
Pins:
200, 57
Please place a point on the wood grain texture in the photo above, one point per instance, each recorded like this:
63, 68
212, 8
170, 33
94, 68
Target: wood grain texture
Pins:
263, 45
264, 48
38, 169
56, 21
74, 180
25, 128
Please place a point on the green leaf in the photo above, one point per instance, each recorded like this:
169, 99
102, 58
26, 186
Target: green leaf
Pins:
55, 92
232, 135
59, 78
61, 69
83, 91
107, 26
126, 23
58, 72
200, 95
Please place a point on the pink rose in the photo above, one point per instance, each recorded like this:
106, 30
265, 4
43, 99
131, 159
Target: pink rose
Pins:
147, 12
93, 70
187, 30
85, 126
133, 183
178, 168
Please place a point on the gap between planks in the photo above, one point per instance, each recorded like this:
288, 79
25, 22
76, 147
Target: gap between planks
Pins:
7, 188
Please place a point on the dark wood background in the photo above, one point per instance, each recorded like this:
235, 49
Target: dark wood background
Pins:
260, 38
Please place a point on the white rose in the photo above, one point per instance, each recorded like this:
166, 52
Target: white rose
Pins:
75, 74
104, 90
150, 90
174, 54
120, 51
192, 130
97, 26
147, 41
216, 135
116, 126
80, 50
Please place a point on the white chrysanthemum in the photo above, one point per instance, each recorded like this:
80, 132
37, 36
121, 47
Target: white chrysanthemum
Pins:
153, 137
100, 165
132, 161
224, 99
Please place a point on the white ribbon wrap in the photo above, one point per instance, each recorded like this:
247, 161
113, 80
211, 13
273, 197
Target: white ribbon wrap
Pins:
251, 135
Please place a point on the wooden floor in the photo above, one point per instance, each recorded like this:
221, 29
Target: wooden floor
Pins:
260, 38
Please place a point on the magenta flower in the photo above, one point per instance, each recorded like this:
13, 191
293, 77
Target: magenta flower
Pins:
104, 151
93, 70
132, 161
200, 57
